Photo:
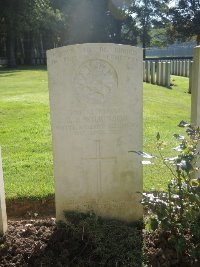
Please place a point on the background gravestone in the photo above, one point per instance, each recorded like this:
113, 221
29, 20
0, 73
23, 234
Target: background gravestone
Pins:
195, 86
96, 116
195, 96
3, 214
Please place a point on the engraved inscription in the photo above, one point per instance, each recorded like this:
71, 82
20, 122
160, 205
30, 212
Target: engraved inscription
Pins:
87, 123
95, 81
88, 205
98, 160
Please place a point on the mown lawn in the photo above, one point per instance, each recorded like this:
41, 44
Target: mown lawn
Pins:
163, 110
25, 134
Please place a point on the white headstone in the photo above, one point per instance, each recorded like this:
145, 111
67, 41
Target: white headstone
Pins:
171, 67
96, 115
195, 95
167, 74
184, 68
191, 66
3, 215
158, 73
148, 72
177, 67
195, 87
163, 73
153, 72
144, 71
188, 68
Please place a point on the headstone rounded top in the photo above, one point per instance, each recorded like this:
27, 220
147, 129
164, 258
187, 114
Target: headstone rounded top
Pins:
108, 45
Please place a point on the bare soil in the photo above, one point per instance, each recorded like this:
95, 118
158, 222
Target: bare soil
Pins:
26, 208
24, 241
38, 241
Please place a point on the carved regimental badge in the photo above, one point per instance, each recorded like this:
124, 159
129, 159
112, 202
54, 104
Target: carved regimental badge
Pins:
95, 81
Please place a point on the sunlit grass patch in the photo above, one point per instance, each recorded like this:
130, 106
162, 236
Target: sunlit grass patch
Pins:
163, 110
25, 134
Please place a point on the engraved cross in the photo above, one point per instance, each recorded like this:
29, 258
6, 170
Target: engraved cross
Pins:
99, 158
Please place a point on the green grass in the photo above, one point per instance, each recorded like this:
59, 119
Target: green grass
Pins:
163, 110
25, 134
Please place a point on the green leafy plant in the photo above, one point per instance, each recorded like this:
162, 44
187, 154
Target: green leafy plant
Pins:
177, 211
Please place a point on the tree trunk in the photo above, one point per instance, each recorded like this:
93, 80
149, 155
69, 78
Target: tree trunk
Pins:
144, 44
144, 40
144, 50
198, 39
28, 48
117, 38
10, 48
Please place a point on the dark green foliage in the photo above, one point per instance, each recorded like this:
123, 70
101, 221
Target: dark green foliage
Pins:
150, 14
95, 241
24, 25
178, 210
28, 28
185, 17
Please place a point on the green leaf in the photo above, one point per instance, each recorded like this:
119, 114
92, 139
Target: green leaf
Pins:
158, 136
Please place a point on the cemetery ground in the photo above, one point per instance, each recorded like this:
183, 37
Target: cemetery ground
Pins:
25, 137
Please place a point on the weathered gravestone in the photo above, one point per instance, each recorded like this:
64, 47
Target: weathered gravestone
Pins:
195, 96
195, 87
3, 215
96, 116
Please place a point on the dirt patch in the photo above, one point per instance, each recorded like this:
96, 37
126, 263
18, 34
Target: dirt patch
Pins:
85, 242
23, 240
90, 242
27, 208
82, 241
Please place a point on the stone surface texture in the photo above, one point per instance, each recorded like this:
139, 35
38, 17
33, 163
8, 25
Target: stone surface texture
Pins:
3, 214
96, 116
195, 87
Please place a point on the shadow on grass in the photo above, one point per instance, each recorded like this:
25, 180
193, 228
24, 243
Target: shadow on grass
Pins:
4, 71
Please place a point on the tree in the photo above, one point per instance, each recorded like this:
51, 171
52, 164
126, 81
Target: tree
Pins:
149, 14
158, 36
23, 22
97, 21
37, 25
94, 20
10, 17
185, 18
123, 28
42, 29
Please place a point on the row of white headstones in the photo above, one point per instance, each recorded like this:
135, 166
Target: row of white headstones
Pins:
159, 72
96, 116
